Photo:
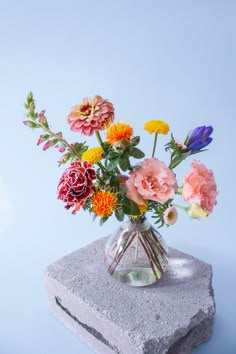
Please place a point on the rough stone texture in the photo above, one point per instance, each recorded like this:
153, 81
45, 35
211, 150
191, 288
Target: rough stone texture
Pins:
173, 316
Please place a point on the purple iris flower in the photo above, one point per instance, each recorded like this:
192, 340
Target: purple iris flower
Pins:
198, 139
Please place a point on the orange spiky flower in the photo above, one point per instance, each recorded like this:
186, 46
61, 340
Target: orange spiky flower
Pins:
104, 203
119, 131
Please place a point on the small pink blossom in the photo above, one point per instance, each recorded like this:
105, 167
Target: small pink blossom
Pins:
47, 145
42, 138
199, 187
122, 179
180, 145
170, 216
153, 181
60, 148
42, 118
90, 115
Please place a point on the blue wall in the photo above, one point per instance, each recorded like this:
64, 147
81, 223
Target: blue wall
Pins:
170, 60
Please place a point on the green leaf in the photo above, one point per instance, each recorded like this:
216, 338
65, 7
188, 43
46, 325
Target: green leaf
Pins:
31, 124
80, 148
119, 213
135, 152
103, 220
135, 140
124, 163
122, 191
198, 151
112, 164
43, 138
130, 207
65, 158
114, 181
136, 167
53, 142
112, 155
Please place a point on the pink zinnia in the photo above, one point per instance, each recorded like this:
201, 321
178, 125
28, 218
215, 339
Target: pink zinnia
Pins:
199, 187
75, 185
152, 181
90, 115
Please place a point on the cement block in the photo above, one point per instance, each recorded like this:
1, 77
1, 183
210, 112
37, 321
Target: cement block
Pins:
173, 316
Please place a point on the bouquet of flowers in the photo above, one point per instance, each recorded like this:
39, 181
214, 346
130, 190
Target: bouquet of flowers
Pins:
106, 179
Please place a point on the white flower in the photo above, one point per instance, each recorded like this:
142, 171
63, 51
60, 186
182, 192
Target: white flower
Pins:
170, 215
196, 212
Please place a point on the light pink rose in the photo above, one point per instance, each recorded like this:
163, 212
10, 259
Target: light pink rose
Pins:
153, 181
199, 187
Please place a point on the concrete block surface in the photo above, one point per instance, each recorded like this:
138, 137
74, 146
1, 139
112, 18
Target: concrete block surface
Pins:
173, 316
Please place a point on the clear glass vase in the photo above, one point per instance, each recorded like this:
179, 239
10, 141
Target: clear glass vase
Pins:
136, 253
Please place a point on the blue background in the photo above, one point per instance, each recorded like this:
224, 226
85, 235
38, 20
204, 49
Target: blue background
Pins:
170, 60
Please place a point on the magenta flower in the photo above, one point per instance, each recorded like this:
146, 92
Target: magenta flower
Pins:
75, 185
122, 179
90, 115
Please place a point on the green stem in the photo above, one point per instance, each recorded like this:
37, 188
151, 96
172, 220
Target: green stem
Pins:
106, 173
117, 170
30, 106
180, 207
63, 141
154, 146
98, 136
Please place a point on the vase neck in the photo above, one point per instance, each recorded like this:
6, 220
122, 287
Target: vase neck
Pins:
138, 220
139, 224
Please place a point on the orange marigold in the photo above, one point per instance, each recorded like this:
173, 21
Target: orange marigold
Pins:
104, 203
119, 131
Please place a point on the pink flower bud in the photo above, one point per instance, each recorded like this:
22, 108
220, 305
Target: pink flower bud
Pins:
43, 119
42, 138
31, 124
47, 145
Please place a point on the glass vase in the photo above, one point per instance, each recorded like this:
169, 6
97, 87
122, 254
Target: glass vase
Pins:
136, 253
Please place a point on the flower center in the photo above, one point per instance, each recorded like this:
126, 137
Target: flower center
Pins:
86, 109
171, 215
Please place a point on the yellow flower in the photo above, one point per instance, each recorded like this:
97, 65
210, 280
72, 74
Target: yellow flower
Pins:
104, 203
157, 126
196, 212
119, 131
93, 155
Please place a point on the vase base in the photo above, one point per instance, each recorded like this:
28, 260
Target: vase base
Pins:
173, 316
135, 277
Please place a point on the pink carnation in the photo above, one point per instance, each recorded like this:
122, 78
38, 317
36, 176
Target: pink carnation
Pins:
153, 181
90, 115
75, 185
199, 187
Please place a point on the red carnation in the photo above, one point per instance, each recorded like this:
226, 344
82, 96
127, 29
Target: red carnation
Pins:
75, 185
